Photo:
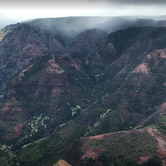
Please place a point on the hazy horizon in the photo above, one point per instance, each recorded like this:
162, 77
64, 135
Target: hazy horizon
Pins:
18, 10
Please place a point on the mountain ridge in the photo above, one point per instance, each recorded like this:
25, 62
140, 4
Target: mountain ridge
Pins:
56, 102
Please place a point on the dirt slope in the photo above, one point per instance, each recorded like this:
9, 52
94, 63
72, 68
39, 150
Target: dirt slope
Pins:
62, 163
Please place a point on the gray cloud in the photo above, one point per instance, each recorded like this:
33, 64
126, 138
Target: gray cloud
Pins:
75, 3
72, 2
39, 4
27, 9
133, 2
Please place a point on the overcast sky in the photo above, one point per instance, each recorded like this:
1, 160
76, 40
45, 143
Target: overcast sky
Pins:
27, 9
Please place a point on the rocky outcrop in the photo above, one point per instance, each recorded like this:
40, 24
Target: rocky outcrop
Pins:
1, 35
24, 46
62, 163
87, 42
142, 68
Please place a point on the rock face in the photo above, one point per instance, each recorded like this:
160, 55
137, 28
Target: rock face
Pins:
24, 46
1, 35
4, 31
87, 42
26, 43
62, 163
65, 105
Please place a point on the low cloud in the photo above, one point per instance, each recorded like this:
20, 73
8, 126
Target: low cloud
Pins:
133, 2
23, 9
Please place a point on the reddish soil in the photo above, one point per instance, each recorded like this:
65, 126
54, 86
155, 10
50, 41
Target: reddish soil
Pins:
76, 64
17, 109
62, 163
156, 53
54, 67
161, 143
110, 46
161, 111
142, 68
97, 55
93, 153
6, 108
143, 123
127, 132
144, 159
17, 130
88, 139
64, 133
22, 73
87, 62
10, 106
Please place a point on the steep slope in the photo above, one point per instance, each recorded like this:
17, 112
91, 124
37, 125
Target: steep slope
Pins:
87, 42
42, 99
23, 46
62, 163
4, 31
50, 83
115, 23
67, 27
139, 144
130, 79
58, 100
134, 89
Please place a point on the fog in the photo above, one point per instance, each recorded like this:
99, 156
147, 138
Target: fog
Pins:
12, 11
21, 10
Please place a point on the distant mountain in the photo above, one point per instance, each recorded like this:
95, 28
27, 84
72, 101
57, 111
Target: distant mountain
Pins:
67, 27
148, 22
115, 23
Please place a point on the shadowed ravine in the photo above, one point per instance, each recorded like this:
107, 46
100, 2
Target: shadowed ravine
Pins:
88, 95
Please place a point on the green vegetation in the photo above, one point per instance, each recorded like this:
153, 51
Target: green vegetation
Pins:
38, 67
48, 151
94, 95
109, 160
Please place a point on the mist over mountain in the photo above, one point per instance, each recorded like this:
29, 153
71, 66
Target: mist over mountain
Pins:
68, 27
4, 22
87, 90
